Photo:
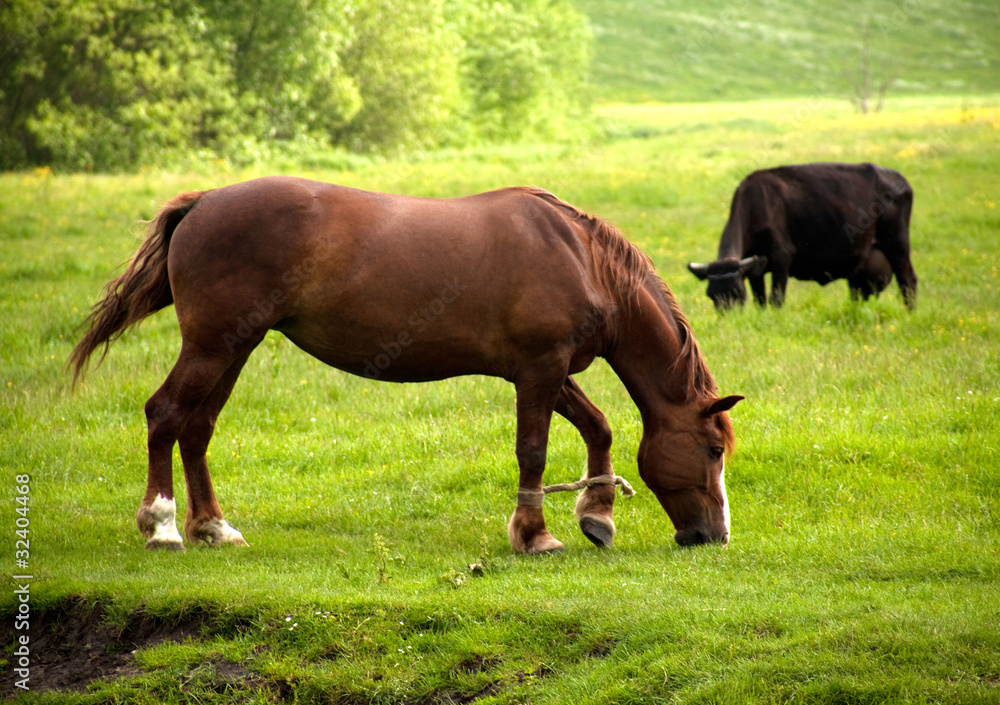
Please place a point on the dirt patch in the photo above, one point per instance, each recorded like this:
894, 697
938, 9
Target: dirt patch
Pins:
71, 646
477, 664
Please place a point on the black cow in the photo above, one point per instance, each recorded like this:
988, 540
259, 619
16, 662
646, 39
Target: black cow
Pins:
815, 222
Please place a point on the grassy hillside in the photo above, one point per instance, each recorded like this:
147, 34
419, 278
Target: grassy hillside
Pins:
671, 50
865, 556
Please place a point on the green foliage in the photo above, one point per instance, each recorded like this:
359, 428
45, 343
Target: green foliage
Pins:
111, 83
118, 84
405, 58
522, 67
285, 59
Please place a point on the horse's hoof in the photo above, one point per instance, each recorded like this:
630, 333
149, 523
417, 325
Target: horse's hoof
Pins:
237, 540
156, 544
156, 522
217, 532
547, 545
599, 531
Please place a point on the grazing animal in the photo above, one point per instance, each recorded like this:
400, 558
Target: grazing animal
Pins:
513, 283
815, 222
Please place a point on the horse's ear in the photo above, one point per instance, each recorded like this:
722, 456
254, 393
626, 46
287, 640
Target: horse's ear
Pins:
723, 404
699, 270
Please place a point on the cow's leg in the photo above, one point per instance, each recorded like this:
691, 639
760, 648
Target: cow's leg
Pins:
204, 521
780, 263
893, 238
898, 254
907, 279
759, 289
779, 282
594, 505
168, 411
859, 288
536, 400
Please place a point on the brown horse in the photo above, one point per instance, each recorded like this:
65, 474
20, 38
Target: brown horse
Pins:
513, 283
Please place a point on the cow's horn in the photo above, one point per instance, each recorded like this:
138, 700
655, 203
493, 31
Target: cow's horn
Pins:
753, 265
699, 270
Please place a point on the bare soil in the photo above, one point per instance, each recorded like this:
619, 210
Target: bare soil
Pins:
72, 645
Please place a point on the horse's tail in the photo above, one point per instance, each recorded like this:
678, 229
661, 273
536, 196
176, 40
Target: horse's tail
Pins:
143, 288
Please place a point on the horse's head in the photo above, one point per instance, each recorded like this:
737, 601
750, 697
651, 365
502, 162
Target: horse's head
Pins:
725, 278
683, 462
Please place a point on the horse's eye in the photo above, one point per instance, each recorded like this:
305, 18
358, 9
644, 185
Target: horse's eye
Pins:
716, 451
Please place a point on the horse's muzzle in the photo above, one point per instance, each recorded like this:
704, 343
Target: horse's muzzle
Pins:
696, 536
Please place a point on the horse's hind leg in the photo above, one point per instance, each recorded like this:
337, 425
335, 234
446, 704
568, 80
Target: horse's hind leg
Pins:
594, 505
204, 521
168, 412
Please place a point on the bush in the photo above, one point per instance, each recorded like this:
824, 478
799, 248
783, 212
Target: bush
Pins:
522, 67
114, 83
117, 84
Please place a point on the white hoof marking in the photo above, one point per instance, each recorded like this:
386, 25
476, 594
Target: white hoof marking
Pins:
161, 518
219, 531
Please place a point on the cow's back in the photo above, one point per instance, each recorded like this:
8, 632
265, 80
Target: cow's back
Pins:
830, 216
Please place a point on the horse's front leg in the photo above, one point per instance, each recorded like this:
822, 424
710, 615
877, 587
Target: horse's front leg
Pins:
594, 505
526, 529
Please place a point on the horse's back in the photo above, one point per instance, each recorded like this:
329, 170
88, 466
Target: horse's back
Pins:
282, 217
436, 287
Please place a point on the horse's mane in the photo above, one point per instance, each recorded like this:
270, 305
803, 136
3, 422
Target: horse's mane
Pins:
621, 269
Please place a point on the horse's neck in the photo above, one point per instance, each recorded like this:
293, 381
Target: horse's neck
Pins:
646, 354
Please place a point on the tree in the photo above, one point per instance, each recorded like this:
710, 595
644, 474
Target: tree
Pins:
525, 66
94, 84
404, 58
288, 78
865, 88
116, 84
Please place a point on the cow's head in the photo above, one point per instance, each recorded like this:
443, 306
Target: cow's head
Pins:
725, 278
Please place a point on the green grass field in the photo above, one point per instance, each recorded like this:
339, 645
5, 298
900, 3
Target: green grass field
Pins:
865, 488
669, 50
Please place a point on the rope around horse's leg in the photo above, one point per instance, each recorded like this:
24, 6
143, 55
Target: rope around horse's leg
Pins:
534, 498
587, 482
597, 527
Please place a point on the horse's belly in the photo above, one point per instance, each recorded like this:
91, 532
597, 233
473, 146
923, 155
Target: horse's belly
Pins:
397, 355
391, 328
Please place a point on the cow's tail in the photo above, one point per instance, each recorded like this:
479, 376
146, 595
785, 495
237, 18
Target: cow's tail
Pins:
143, 288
